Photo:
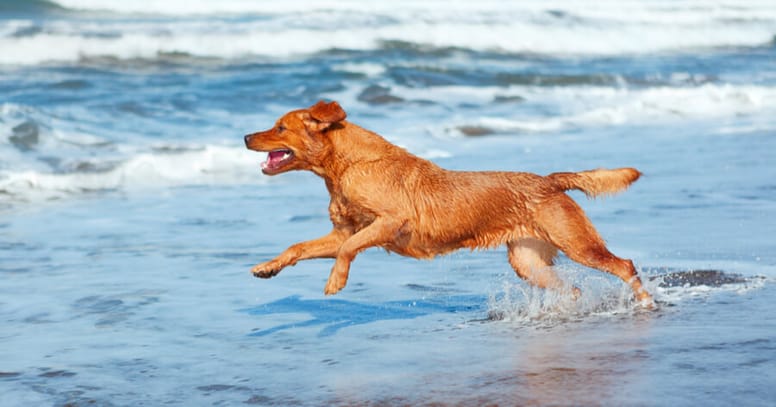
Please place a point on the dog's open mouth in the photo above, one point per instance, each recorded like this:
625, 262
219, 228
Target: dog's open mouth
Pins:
276, 160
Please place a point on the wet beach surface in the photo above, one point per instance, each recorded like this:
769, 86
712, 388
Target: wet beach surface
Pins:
131, 213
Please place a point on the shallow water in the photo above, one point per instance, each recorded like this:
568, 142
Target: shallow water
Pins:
130, 213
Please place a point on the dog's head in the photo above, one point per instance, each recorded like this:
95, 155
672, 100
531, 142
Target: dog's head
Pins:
298, 140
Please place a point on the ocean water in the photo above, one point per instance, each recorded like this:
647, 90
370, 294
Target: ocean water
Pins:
131, 213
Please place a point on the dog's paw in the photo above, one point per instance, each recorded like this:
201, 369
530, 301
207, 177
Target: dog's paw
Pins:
645, 300
267, 269
335, 284
647, 303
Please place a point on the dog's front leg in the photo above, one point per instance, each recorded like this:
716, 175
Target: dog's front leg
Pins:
378, 232
324, 247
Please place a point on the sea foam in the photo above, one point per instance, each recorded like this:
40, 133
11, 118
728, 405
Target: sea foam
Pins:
303, 27
205, 166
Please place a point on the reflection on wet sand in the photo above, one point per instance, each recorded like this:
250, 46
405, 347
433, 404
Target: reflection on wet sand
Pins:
578, 364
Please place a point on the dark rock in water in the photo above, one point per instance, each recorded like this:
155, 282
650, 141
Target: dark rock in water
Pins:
693, 278
476, 131
378, 95
25, 136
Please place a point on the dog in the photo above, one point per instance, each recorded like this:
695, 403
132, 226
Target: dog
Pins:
384, 196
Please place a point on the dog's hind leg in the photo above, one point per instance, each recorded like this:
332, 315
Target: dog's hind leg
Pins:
532, 260
572, 232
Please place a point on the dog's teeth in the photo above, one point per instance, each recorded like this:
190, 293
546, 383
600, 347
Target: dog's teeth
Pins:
286, 155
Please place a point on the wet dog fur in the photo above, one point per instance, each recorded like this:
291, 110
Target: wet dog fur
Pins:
384, 196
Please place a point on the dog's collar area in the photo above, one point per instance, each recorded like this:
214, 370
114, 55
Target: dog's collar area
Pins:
276, 159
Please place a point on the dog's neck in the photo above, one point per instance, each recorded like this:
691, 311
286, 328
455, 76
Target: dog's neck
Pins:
349, 145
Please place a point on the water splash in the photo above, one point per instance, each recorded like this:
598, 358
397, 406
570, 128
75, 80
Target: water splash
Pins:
605, 297
519, 302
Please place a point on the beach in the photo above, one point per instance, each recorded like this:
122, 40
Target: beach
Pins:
131, 212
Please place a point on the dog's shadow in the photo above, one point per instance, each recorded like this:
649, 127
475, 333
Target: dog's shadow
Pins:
335, 314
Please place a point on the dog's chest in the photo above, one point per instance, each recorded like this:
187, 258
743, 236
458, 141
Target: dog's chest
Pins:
348, 214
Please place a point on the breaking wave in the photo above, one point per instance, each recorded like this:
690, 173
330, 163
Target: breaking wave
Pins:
204, 165
240, 29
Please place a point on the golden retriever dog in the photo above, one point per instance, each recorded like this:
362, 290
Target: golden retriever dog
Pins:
383, 196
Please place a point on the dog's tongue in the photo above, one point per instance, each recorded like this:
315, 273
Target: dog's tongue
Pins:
274, 158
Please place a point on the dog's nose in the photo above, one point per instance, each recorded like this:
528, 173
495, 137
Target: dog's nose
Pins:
247, 139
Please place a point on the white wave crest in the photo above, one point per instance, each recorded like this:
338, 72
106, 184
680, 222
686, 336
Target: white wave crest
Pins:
205, 166
592, 106
635, 10
303, 27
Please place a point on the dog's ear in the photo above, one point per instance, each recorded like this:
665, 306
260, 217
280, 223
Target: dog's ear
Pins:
327, 114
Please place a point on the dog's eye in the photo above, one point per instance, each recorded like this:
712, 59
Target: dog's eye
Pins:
281, 129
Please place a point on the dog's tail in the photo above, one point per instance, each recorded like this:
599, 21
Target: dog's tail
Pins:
596, 182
